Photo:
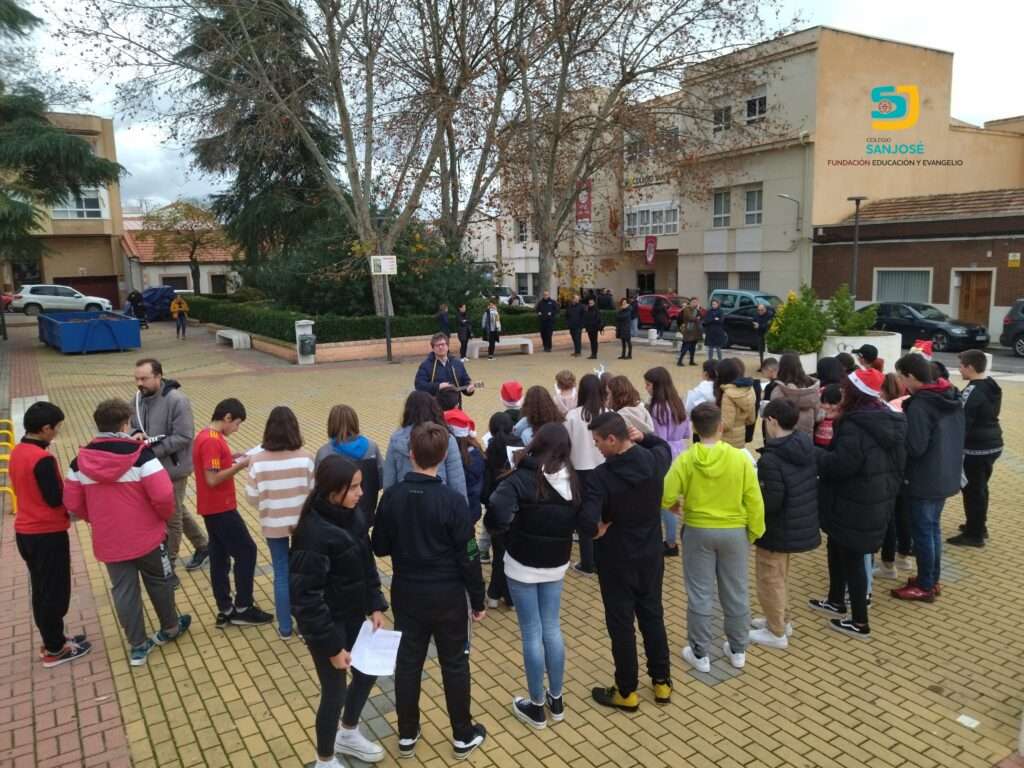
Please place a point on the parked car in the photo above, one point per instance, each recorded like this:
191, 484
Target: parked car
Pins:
1013, 329
33, 299
731, 300
501, 292
914, 321
645, 308
739, 327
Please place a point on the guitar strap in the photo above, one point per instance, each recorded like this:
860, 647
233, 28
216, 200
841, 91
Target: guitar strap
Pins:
453, 374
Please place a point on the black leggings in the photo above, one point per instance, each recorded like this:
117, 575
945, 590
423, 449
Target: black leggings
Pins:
627, 347
846, 571
492, 339
335, 694
498, 588
897, 534
592, 337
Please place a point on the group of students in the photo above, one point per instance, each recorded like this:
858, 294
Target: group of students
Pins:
587, 461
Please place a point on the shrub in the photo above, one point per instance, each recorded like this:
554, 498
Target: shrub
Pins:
843, 317
799, 325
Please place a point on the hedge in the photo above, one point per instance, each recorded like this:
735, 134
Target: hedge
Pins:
264, 319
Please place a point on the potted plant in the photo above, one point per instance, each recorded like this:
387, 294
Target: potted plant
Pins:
799, 326
850, 329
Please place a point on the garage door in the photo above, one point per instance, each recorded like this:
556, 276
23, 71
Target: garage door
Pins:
104, 286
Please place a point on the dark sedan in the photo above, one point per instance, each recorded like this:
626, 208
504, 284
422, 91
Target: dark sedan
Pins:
915, 321
740, 328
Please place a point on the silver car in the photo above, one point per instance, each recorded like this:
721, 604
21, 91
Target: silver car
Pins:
33, 299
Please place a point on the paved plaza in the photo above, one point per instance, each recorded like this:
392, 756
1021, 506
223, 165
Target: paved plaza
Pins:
244, 697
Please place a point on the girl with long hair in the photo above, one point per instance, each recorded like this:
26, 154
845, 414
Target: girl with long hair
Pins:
334, 588
672, 426
420, 408
539, 408
590, 401
793, 384
625, 401
539, 505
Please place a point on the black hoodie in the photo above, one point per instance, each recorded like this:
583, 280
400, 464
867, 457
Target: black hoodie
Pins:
860, 476
626, 492
788, 475
982, 401
935, 442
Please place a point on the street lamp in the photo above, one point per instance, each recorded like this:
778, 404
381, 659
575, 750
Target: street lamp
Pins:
799, 221
856, 200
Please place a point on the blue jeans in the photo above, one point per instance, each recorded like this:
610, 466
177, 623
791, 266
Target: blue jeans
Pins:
282, 603
712, 351
180, 324
537, 607
671, 527
925, 516
869, 569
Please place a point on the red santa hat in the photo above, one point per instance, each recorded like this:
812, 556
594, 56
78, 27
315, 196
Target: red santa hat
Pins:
459, 423
868, 380
511, 394
923, 348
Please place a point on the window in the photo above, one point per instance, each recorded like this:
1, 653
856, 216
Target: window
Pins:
668, 138
66, 293
522, 230
721, 119
177, 282
630, 223
644, 226
645, 284
746, 301
218, 283
719, 281
750, 281
903, 285
671, 221
754, 200
652, 219
522, 283
722, 206
87, 205
535, 283
44, 290
657, 222
757, 109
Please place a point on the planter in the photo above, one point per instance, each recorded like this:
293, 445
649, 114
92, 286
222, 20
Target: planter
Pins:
809, 361
888, 344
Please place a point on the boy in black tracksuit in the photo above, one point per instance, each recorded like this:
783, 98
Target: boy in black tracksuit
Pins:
983, 444
623, 498
427, 531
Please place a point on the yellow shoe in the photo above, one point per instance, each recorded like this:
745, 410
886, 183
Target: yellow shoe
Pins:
662, 691
610, 697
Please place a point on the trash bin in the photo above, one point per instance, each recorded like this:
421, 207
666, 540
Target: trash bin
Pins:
305, 342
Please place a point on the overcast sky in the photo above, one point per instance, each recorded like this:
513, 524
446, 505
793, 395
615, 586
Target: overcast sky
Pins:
984, 35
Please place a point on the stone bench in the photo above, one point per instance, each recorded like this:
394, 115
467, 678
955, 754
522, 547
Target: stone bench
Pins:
525, 346
237, 339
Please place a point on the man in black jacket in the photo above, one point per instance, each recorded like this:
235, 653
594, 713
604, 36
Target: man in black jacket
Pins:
574, 319
427, 531
762, 324
547, 312
983, 444
623, 497
935, 442
788, 476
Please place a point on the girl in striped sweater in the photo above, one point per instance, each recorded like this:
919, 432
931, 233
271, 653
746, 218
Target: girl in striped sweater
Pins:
280, 477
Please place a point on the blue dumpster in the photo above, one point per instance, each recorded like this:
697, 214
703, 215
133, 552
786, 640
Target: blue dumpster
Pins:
78, 332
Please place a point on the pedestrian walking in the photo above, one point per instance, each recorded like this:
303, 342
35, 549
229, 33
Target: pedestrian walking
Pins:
490, 324
594, 325
715, 337
670, 424
179, 311
547, 314
574, 319
624, 330
690, 326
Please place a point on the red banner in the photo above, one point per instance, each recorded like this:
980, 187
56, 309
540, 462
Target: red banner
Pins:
583, 201
650, 246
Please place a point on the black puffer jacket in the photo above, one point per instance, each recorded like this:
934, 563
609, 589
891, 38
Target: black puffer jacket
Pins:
539, 521
860, 477
982, 399
935, 442
788, 476
332, 577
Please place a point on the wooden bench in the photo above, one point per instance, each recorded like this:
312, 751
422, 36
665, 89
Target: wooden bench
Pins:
237, 339
525, 346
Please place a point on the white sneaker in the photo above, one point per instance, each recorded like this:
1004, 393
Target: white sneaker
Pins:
765, 637
886, 571
352, 742
761, 622
492, 602
702, 664
738, 660
332, 763
906, 563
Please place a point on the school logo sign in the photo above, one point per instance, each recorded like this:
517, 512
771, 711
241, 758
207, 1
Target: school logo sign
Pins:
896, 107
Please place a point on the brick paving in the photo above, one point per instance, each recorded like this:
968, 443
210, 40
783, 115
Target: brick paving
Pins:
245, 697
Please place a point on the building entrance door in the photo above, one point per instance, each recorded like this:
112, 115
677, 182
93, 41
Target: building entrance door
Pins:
975, 297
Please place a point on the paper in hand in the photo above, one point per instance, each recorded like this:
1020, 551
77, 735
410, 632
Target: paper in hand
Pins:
374, 653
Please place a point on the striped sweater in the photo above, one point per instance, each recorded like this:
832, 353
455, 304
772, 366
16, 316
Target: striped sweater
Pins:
278, 483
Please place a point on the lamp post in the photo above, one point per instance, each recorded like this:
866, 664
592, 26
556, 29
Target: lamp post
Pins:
799, 221
856, 200
799, 233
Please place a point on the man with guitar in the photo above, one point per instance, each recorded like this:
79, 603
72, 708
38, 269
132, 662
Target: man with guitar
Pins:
439, 371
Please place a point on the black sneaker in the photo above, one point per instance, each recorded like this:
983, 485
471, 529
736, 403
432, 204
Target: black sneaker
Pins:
963, 540
199, 557
251, 616
224, 618
578, 567
826, 607
847, 627
528, 712
407, 747
69, 652
670, 550
555, 706
984, 533
464, 749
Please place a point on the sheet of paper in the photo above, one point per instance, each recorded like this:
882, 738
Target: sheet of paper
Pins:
374, 653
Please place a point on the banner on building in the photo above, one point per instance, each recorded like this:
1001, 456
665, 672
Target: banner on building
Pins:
650, 246
584, 205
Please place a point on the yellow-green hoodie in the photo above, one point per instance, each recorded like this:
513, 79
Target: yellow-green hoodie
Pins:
718, 487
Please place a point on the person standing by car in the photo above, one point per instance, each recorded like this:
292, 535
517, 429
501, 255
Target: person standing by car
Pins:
689, 324
464, 329
574, 319
547, 313
762, 323
634, 314
179, 311
661, 318
594, 325
490, 324
714, 330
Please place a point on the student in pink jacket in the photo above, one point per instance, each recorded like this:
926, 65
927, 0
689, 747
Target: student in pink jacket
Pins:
118, 486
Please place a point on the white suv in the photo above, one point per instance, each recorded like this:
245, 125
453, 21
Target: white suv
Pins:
33, 299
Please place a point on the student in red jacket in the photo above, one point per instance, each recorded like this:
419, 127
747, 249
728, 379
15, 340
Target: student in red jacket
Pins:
41, 531
118, 486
